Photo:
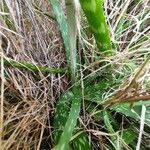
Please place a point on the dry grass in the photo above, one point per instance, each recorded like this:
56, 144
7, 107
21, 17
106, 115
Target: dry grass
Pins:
27, 104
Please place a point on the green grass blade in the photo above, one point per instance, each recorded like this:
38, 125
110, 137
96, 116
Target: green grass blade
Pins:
29, 66
93, 10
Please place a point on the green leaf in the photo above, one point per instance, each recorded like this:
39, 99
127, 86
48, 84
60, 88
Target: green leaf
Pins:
135, 111
71, 121
29, 66
93, 10
61, 114
95, 92
81, 142
68, 32
129, 136
72, 33
60, 17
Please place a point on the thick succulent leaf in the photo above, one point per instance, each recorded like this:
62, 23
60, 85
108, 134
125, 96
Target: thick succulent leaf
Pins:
72, 30
61, 19
128, 136
135, 111
61, 114
60, 119
71, 121
93, 10
95, 92
68, 31
81, 142
29, 66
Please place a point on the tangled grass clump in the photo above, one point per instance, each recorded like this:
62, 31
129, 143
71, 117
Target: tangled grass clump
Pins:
29, 92
74, 74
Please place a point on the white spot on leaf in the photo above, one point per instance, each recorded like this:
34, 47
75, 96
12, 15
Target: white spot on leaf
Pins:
90, 6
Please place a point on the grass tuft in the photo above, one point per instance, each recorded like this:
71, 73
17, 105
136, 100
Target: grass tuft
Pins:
62, 61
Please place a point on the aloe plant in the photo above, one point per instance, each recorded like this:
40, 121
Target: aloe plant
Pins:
101, 84
68, 28
94, 13
71, 121
68, 31
72, 34
68, 106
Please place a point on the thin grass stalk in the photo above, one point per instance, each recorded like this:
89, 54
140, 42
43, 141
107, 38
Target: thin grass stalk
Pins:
1, 93
29, 66
48, 14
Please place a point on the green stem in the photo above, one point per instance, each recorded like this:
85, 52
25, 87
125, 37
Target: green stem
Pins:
93, 10
34, 68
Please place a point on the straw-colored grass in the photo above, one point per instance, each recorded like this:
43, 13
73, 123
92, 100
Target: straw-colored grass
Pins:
28, 98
